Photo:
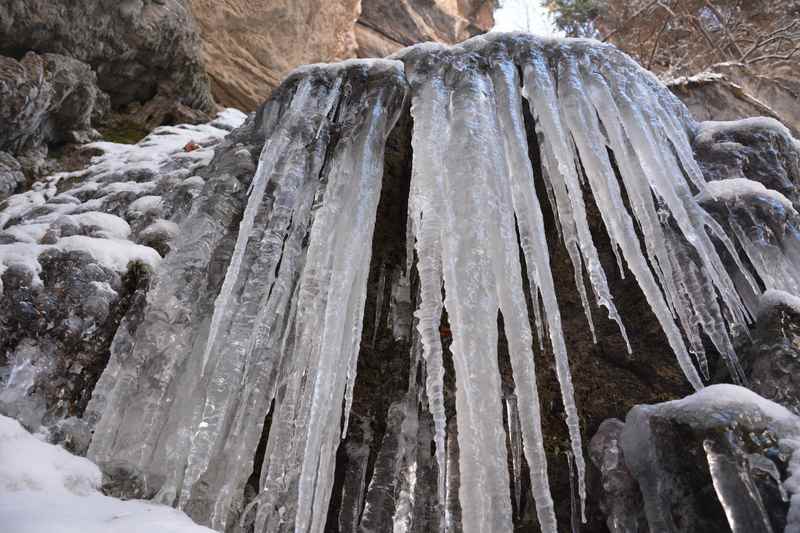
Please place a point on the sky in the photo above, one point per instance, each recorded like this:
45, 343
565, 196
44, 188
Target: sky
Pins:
523, 15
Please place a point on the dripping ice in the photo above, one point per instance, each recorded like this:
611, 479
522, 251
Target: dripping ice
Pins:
281, 332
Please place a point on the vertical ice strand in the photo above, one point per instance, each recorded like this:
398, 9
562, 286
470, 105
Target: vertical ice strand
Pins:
298, 468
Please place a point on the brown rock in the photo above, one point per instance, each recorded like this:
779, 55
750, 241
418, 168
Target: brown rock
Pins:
249, 47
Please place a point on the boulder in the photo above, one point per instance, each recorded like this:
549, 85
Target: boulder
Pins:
721, 459
47, 98
142, 50
757, 149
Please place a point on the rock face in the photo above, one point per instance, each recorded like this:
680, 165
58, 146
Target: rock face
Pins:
46, 99
772, 357
712, 96
387, 25
11, 176
779, 87
249, 47
143, 51
731, 91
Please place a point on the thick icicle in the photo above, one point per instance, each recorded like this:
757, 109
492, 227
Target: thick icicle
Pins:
461, 178
516, 196
424, 215
540, 91
298, 468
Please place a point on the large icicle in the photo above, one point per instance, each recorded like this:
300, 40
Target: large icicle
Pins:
530, 223
460, 183
298, 467
424, 215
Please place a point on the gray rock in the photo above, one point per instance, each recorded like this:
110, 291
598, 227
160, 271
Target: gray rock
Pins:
47, 98
11, 176
777, 85
142, 50
713, 461
712, 96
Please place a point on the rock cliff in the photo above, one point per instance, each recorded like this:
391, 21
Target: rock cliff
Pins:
249, 47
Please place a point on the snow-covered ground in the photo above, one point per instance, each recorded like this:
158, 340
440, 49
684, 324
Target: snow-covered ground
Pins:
45, 489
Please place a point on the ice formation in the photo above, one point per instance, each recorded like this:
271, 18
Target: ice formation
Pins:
244, 363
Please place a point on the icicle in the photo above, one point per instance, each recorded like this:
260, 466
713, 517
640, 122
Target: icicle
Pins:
355, 481
425, 206
307, 426
516, 196
515, 440
574, 507
540, 91
461, 178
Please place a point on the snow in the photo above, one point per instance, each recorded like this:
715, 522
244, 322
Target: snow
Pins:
738, 189
45, 489
112, 253
123, 169
24, 255
229, 119
145, 204
723, 398
105, 225
774, 298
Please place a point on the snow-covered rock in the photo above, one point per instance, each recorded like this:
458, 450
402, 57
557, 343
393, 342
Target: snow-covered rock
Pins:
75, 249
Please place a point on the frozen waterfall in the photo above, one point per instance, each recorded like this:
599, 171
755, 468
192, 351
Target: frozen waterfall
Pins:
232, 396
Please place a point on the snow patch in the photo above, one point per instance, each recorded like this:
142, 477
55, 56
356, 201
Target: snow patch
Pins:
773, 298
45, 489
